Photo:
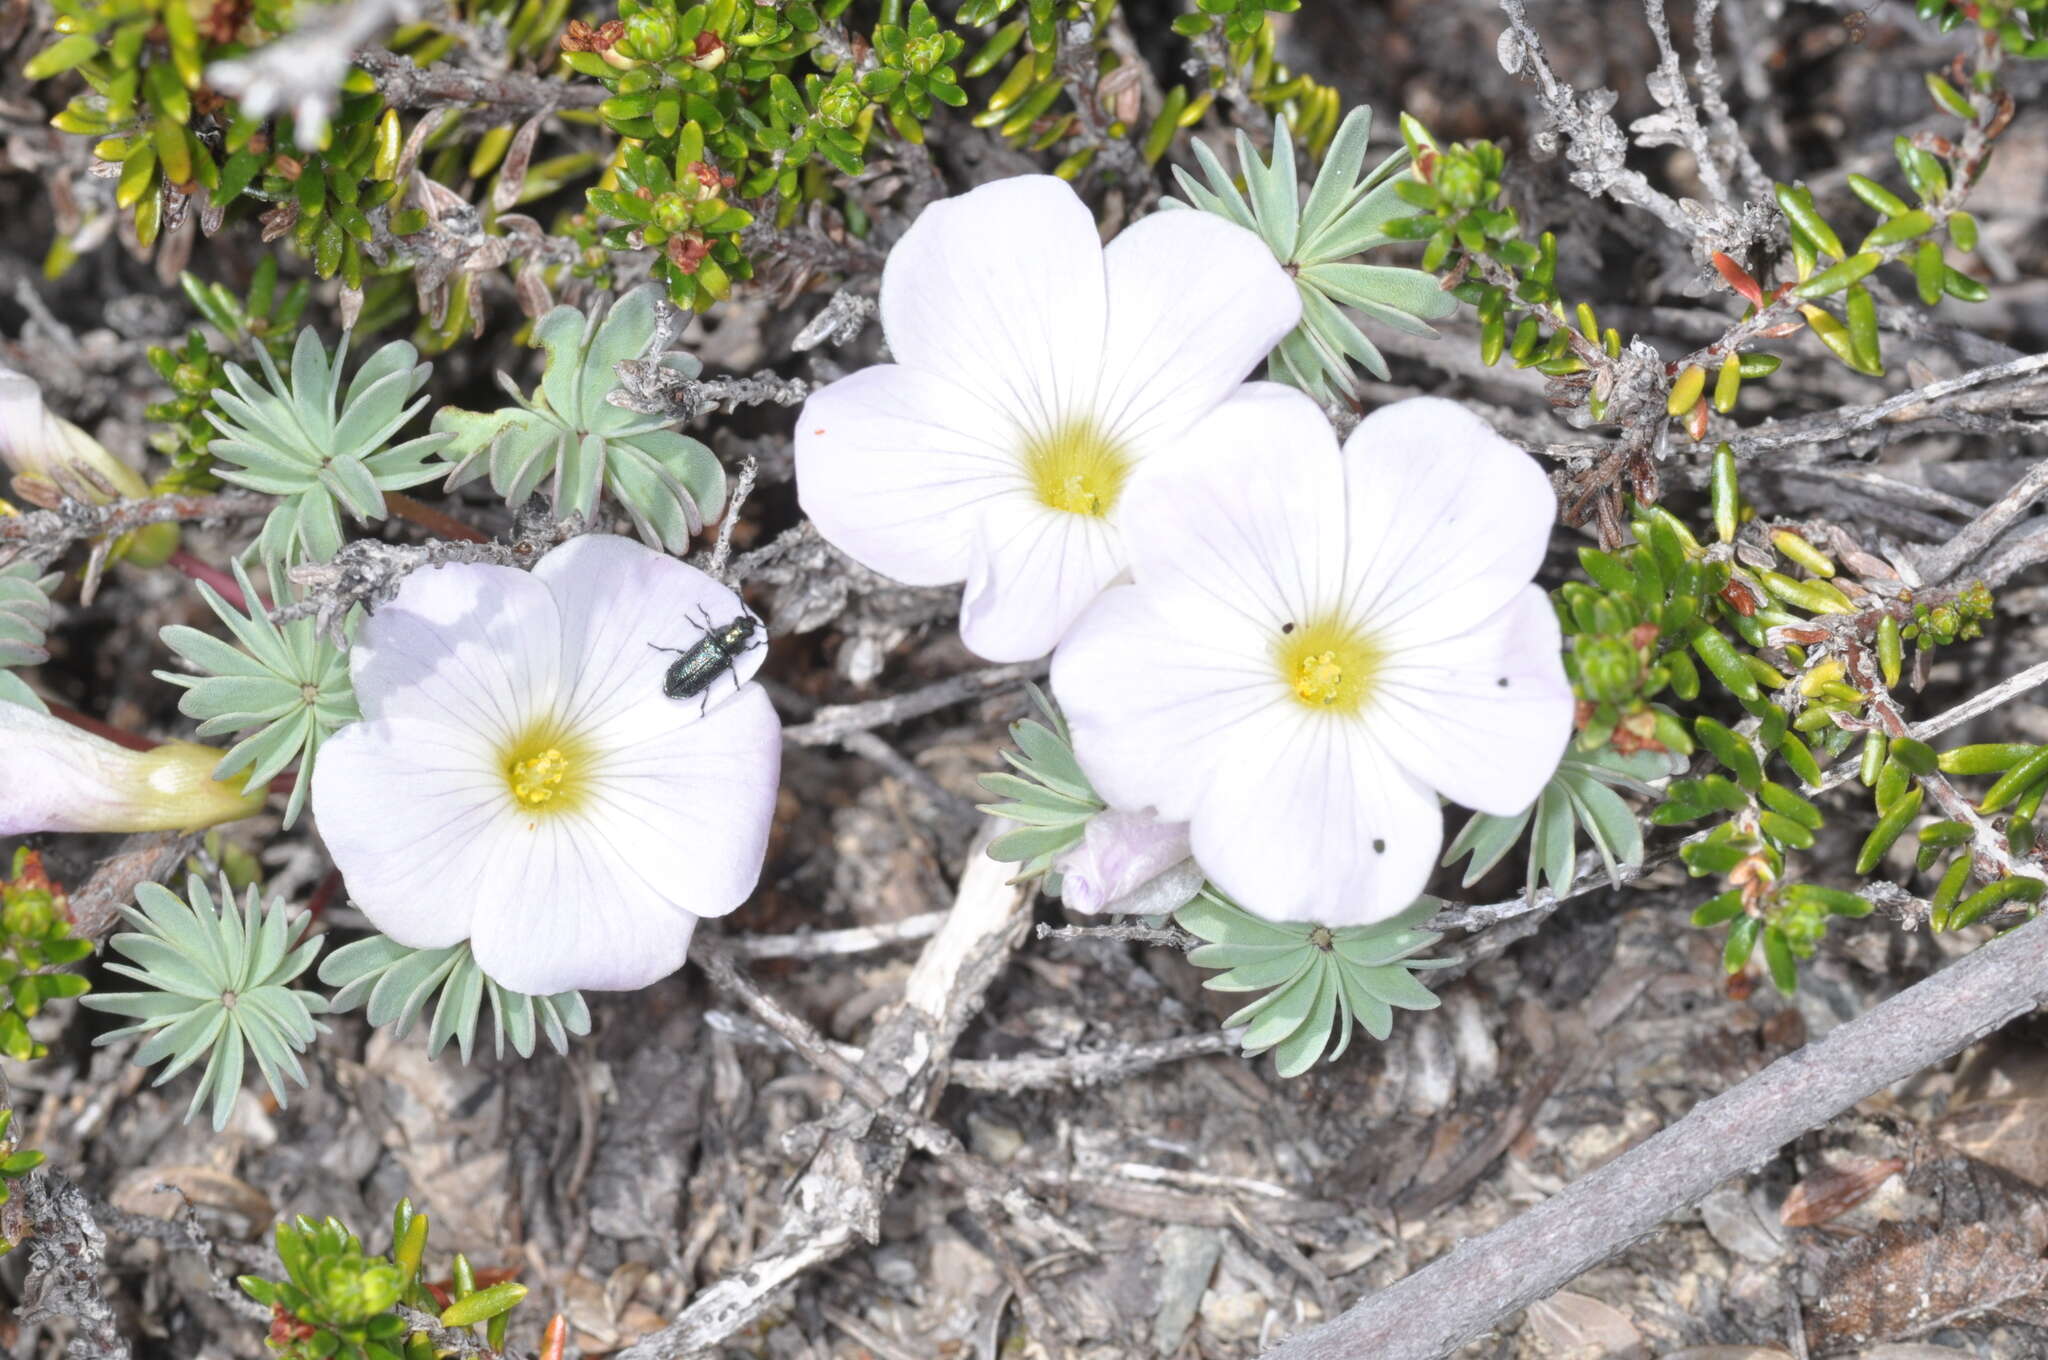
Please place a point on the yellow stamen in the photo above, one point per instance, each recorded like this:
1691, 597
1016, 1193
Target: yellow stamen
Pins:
1327, 663
544, 769
1076, 469
535, 779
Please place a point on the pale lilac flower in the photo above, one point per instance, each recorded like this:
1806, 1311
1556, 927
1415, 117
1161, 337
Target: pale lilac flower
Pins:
56, 777
1039, 378
1316, 644
1119, 853
521, 781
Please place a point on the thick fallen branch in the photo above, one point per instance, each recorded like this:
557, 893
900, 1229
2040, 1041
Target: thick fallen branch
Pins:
1489, 1279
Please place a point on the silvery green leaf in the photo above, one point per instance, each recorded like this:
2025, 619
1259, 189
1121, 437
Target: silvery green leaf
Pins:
1231, 209
312, 390
1277, 1014
397, 983
1552, 847
1360, 228
1487, 838
623, 334
561, 333
1610, 823
1334, 331
1275, 193
1298, 1052
390, 361
1397, 987
1279, 967
218, 987
1375, 1016
1225, 188
1404, 290
472, 431
1335, 184
293, 438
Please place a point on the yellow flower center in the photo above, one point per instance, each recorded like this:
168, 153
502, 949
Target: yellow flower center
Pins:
541, 769
1327, 663
1076, 469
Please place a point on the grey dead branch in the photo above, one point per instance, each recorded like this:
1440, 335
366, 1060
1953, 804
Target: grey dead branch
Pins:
888, 1118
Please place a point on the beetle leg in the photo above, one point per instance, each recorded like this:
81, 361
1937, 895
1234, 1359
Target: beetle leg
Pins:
679, 651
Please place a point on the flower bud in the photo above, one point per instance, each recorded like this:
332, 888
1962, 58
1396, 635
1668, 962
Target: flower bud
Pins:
56, 777
652, 36
1120, 853
52, 458
40, 447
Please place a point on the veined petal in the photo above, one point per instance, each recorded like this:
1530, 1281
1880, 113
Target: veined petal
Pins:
1448, 521
566, 914
417, 824
1000, 290
619, 600
1194, 304
1151, 682
1034, 570
1482, 717
688, 806
1310, 819
1248, 511
892, 463
468, 646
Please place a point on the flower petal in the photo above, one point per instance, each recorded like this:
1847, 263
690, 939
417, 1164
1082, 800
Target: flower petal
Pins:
608, 898
619, 600
468, 646
1448, 521
1178, 345
1311, 820
1151, 682
1482, 717
1000, 289
1249, 511
891, 464
407, 808
1033, 571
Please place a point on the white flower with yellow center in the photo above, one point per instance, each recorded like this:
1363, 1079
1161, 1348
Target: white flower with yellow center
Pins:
1037, 376
520, 780
1317, 643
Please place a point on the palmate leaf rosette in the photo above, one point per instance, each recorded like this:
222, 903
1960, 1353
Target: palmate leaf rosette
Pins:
217, 986
1579, 797
1317, 981
1049, 795
285, 685
24, 618
1345, 215
319, 447
666, 482
395, 982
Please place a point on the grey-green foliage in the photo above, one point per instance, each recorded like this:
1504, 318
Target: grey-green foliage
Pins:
1344, 215
395, 982
24, 618
1049, 795
1580, 796
286, 686
1316, 981
291, 437
217, 986
666, 482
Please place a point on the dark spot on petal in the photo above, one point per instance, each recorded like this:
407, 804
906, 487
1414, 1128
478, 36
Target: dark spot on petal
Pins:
1502, 682
1379, 847
1287, 627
